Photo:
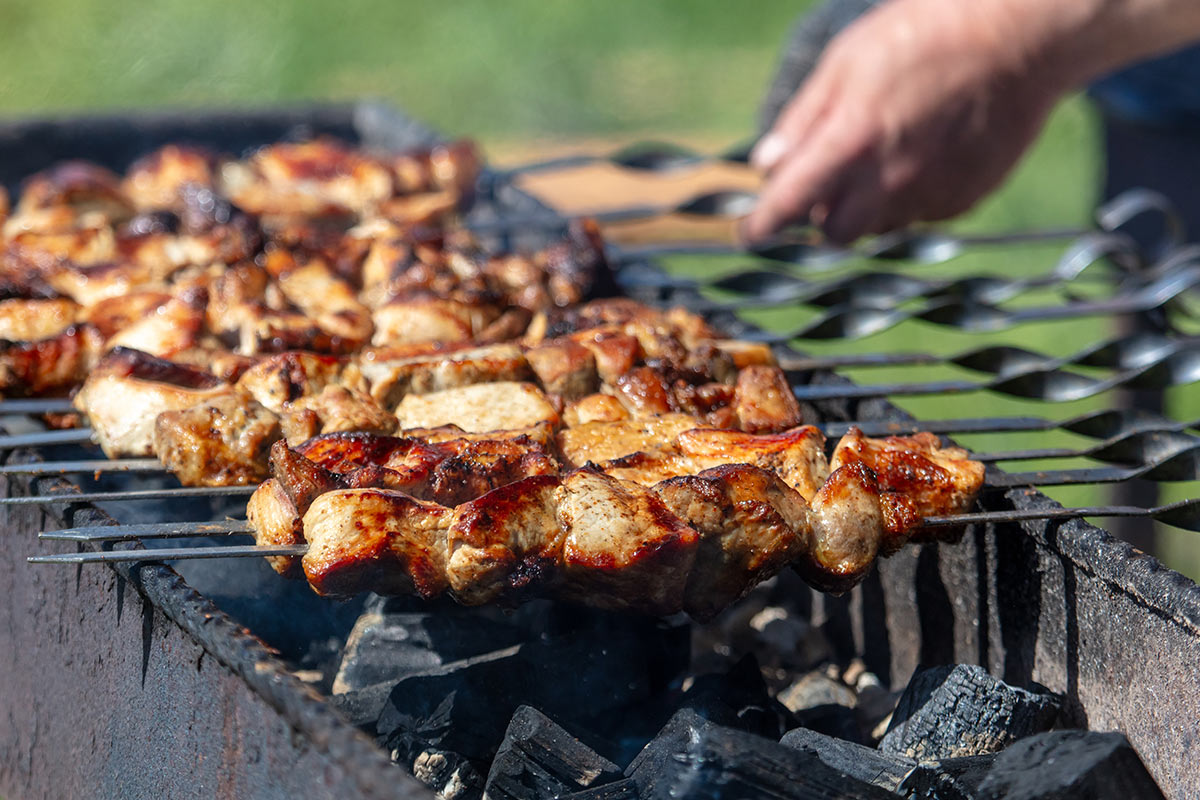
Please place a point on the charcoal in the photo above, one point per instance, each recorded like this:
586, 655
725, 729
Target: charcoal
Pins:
952, 711
363, 706
387, 646
738, 698
448, 774
950, 779
718, 762
1079, 765
837, 721
539, 759
465, 706
624, 789
863, 763
650, 765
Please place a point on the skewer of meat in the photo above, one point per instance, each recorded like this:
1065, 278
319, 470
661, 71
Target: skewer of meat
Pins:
695, 541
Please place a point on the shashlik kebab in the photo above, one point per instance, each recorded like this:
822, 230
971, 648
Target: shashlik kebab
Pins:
705, 515
634, 362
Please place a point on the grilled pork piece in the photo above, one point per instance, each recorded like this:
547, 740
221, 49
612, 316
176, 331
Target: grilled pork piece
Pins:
394, 373
174, 326
126, 392
325, 298
693, 543
49, 366
918, 477
25, 320
429, 319
160, 180
599, 442
504, 405
222, 441
289, 376
335, 409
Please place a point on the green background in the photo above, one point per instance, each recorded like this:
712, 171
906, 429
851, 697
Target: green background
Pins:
522, 70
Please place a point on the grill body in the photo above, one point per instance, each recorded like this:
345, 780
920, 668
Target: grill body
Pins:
125, 681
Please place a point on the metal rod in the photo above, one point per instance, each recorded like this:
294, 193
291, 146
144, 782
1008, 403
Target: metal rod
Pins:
170, 554
46, 438
134, 494
1184, 514
37, 405
149, 530
86, 465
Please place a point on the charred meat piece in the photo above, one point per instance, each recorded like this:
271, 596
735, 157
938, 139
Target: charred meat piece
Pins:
276, 521
917, 475
334, 409
126, 392
564, 368
114, 314
222, 441
49, 366
504, 405
430, 319
796, 456
159, 180
287, 377
377, 538
325, 298
763, 401
174, 326
751, 525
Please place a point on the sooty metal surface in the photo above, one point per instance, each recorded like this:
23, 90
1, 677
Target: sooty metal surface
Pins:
127, 681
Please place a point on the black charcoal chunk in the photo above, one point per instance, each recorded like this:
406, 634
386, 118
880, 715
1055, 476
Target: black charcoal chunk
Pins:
837, 721
624, 789
718, 762
387, 646
539, 759
951, 779
1079, 765
738, 698
953, 711
465, 706
864, 763
652, 763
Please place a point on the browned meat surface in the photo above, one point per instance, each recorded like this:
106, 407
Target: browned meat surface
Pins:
126, 392
220, 442
602, 441
335, 409
276, 521
174, 326
504, 405
49, 366
919, 477
565, 368
763, 401
427, 319
393, 375
25, 320
114, 314
161, 179
287, 377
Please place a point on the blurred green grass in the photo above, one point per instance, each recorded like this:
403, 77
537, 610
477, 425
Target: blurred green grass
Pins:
504, 72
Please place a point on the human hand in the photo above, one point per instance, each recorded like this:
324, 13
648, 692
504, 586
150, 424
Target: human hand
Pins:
913, 113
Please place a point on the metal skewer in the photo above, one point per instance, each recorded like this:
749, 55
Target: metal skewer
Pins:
46, 438
1184, 514
86, 465
171, 554
134, 494
37, 405
149, 530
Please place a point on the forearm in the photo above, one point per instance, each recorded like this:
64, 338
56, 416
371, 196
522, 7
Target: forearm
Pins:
1072, 42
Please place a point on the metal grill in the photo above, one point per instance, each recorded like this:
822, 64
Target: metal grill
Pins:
849, 295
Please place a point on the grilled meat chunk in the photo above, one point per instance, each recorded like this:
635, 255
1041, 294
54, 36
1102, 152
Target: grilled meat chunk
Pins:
751, 525
564, 368
623, 549
126, 392
25, 320
507, 543
763, 401
334, 409
396, 374
504, 405
174, 326
222, 441
796, 456
918, 477
848, 530
275, 521
49, 366
428, 319
599, 442
383, 539
287, 377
